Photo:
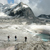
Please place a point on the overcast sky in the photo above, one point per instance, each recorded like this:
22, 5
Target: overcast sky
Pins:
38, 6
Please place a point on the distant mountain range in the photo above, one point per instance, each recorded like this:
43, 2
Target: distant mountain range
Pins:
44, 16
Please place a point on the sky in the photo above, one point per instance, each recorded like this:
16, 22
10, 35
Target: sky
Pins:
38, 6
10, 1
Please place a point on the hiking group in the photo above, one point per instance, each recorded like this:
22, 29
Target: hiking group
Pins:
16, 38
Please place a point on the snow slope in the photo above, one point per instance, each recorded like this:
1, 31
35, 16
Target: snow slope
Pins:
16, 9
13, 5
2, 14
25, 6
19, 7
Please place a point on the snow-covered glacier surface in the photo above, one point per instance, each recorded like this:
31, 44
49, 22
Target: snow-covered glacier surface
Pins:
33, 32
19, 30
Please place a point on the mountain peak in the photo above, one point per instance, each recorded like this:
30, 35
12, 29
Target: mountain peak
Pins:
21, 3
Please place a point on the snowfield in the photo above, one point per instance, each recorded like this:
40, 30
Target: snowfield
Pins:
3, 15
12, 30
22, 30
30, 31
25, 6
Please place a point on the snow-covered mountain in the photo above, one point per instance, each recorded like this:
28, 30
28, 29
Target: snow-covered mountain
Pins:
20, 9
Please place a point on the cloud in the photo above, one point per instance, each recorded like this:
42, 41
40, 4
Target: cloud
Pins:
45, 5
3, 1
34, 6
24, 1
40, 6
37, 11
16, 1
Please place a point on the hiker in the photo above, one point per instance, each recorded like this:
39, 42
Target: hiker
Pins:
15, 38
8, 38
25, 39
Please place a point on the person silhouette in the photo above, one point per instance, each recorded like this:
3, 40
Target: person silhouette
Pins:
25, 39
15, 38
8, 38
